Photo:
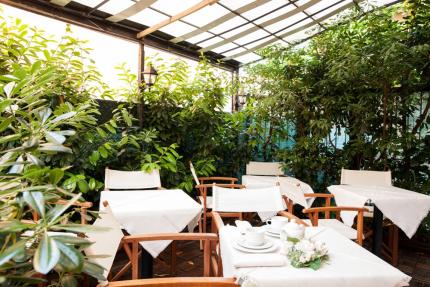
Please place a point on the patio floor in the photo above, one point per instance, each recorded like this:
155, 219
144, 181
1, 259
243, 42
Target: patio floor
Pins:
190, 260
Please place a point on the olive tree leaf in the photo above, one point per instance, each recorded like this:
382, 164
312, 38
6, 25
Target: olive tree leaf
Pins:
63, 117
50, 147
55, 137
36, 201
47, 255
55, 175
11, 251
94, 270
75, 258
8, 88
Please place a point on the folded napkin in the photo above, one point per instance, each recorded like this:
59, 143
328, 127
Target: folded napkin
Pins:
258, 260
243, 226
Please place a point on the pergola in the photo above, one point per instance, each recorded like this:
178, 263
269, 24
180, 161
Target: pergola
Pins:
225, 31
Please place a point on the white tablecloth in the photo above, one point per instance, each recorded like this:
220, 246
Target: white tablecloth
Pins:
404, 207
349, 265
153, 211
293, 188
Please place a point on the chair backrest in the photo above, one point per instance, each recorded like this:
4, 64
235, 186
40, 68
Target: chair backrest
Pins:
264, 168
267, 199
106, 242
193, 172
118, 179
365, 177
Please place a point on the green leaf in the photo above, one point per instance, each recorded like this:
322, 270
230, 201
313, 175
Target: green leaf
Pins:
5, 103
11, 251
8, 88
83, 186
94, 270
36, 201
47, 255
73, 255
68, 281
63, 117
79, 228
92, 183
55, 175
103, 152
50, 147
10, 138
5, 124
74, 240
55, 138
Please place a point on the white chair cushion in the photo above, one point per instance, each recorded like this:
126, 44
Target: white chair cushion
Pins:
208, 201
338, 226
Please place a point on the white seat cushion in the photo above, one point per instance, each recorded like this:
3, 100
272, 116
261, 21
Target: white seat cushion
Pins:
208, 201
338, 226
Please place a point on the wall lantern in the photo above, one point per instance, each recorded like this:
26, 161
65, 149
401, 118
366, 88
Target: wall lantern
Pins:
150, 76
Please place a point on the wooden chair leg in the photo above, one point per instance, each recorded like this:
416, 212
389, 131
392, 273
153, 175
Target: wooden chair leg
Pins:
173, 259
201, 231
395, 245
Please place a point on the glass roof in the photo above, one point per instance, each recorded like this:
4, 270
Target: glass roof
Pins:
235, 29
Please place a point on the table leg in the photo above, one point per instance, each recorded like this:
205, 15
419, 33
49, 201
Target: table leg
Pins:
377, 231
146, 265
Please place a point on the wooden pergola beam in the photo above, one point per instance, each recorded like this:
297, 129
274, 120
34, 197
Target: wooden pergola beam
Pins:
176, 17
220, 20
132, 10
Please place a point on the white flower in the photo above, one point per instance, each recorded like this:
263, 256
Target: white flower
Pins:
288, 246
305, 245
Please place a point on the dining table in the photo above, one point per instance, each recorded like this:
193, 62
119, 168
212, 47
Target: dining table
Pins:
405, 208
152, 211
348, 263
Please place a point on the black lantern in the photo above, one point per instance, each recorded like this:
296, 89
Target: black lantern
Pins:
150, 75
241, 99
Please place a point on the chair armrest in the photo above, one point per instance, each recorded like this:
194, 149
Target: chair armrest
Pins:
217, 222
169, 236
319, 195
214, 178
226, 185
84, 204
291, 217
334, 208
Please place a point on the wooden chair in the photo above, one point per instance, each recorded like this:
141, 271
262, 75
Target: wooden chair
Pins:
337, 224
131, 245
206, 202
211, 179
378, 178
264, 168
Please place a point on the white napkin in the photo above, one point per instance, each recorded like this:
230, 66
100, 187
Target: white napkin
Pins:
258, 260
243, 226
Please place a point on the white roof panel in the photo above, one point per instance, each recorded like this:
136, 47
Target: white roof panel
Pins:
148, 17
89, 3
173, 7
206, 15
177, 28
251, 37
115, 6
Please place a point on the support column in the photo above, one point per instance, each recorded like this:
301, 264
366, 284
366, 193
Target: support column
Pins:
235, 83
140, 79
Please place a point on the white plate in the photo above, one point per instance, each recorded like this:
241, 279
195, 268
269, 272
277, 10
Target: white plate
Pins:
272, 231
247, 250
242, 242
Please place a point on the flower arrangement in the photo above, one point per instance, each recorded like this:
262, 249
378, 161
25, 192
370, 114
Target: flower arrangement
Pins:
306, 253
